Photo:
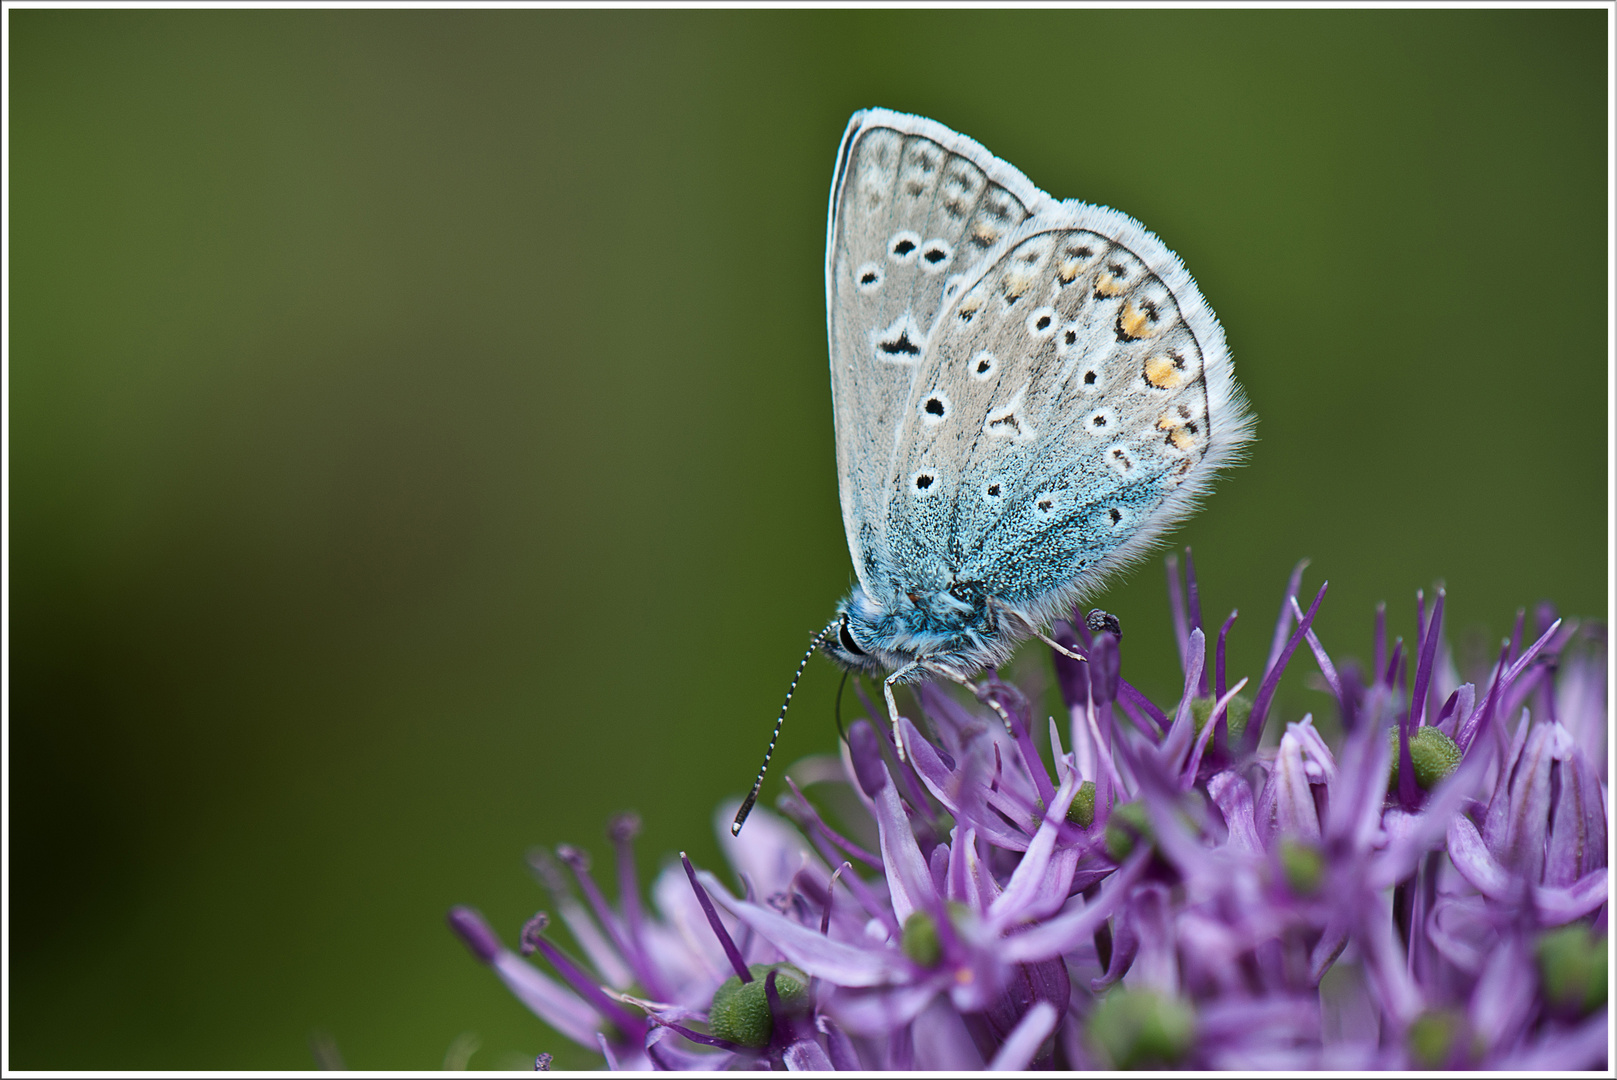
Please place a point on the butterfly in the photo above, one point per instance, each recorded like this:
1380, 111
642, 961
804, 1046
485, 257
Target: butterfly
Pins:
1028, 392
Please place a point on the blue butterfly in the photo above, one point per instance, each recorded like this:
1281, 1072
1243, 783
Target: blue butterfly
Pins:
1028, 393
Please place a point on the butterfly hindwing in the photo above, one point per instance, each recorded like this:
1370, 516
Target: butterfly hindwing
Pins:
1076, 395
916, 211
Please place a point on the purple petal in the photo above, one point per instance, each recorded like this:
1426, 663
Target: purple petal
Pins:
470, 926
880, 1012
1527, 821
1321, 657
1353, 815
664, 1052
1460, 929
1127, 695
1215, 719
1283, 624
1016, 1053
1029, 875
1559, 905
769, 851
1413, 835
1584, 1047
1483, 714
548, 999
1496, 825
1294, 800
1423, 669
1531, 654
805, 1055
1328, 948
1472, 859
1237, 1021
1578, 830
1125, 946
865, 748
1505, 995
1177, 744
723, 935
942, 1043
1386, 961
1156, 965
844, 1058
839, 962
1218, 654
969, 881
958, 790
1072, 928
1580, 701
1271, 677
1233, 797
909, 879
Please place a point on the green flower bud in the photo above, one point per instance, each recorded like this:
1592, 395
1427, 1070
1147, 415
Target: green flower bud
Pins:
1572, 965
1139, 1029
1082, 811
1237, 712
740, 1011
920, 941
1432, 1036
1303, 866
1433, 754
1127, 824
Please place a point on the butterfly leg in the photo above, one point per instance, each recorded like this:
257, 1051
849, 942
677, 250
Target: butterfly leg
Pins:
980, 692
892, 704
1058, 647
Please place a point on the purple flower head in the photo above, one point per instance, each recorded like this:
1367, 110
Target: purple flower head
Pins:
1198, 883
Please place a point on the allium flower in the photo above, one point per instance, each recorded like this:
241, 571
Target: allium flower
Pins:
1142, 887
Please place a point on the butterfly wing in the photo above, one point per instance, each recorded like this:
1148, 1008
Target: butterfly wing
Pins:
916, 210
1076, 396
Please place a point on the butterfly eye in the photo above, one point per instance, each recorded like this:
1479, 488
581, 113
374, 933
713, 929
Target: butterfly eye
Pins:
845, 637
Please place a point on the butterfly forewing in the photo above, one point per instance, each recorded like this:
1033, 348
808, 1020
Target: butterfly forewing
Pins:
916, 211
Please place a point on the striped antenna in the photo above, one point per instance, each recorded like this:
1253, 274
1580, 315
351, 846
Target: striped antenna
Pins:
757, 785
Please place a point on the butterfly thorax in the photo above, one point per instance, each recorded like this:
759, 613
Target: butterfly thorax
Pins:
956, 629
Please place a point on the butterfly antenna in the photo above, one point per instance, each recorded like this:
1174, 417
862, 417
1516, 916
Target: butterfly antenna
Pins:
757, 785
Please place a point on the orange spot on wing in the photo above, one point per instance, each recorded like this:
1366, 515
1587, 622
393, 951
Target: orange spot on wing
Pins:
1135, 322
1163, 373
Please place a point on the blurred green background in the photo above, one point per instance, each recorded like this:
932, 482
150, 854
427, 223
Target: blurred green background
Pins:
421, 440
